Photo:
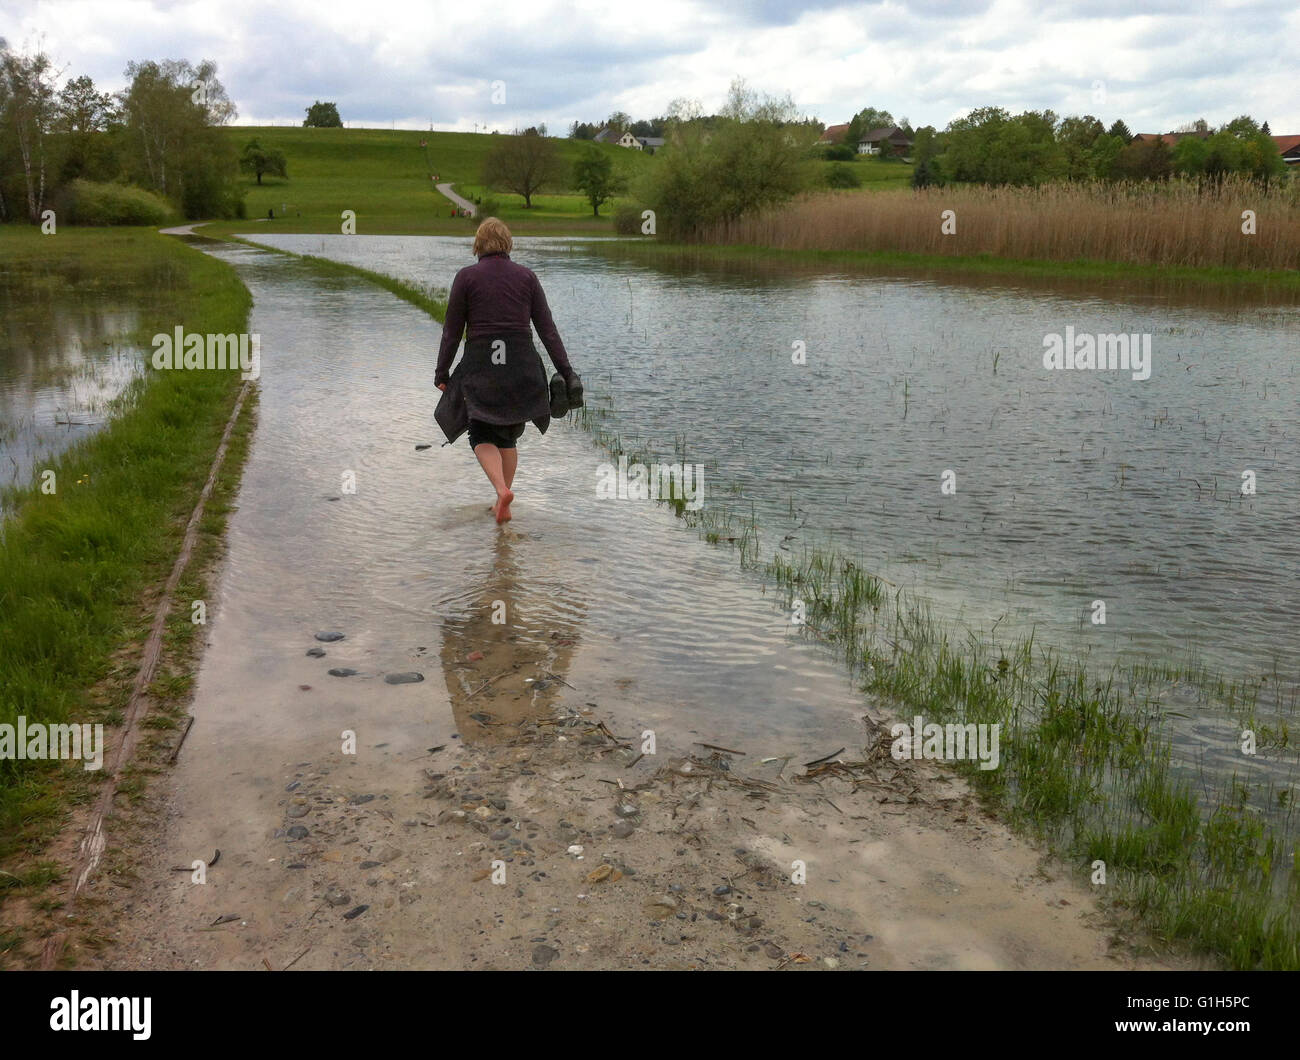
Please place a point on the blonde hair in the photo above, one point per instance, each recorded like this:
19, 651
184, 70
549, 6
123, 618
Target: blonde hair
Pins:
492, 237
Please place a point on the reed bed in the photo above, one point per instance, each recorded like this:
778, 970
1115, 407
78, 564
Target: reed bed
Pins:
1169, 224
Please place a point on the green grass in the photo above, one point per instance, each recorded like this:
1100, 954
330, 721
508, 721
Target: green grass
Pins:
875, 174
79, 568
431, 299
383, 175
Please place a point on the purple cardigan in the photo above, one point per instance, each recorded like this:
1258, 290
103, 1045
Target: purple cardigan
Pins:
494, 296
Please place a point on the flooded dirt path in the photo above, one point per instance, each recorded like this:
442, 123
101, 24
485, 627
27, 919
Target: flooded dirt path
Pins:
470, 789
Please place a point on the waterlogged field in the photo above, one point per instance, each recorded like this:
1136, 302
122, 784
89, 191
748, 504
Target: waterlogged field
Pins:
62, 367
100, 469
1001, 512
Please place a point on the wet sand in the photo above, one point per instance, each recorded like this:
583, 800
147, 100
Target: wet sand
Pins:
521, 742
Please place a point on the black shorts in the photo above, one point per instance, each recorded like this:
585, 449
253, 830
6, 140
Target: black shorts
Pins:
503, 437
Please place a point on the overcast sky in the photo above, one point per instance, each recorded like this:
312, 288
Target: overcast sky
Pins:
1154, 63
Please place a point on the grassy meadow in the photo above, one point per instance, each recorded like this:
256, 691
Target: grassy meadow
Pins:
875, 174
384, 175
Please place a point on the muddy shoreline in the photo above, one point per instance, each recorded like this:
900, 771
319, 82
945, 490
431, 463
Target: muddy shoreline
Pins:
556, 843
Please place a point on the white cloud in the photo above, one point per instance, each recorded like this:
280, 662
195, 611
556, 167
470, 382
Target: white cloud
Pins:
408, 62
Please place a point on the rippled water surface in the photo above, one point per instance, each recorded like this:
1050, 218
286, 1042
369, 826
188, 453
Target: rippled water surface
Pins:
343, 525
1071, 487
61, 366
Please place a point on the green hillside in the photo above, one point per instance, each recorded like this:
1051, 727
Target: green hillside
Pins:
384, 175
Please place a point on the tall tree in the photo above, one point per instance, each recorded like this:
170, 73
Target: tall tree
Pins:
172, 110
1118, 128
1262, 159
84, 115
595, 177
1102, 155
1243, 127
29, 113
259, 160
1076, 137
989, 146
925, 149
524, 165
322, 116
1144, 160
753, 155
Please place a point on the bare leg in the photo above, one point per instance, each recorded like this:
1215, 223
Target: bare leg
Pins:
509, 463
489, 458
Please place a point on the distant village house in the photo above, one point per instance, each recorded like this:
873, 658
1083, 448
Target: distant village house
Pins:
1290, 148
871, 143
874, 142
637, 143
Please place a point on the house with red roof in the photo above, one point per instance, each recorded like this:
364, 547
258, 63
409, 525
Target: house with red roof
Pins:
1290, 148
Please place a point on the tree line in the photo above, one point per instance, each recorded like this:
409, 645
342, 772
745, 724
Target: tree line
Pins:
160, 133
760, 153
991, 146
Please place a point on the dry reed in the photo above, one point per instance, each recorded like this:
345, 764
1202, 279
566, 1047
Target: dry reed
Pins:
1171, 224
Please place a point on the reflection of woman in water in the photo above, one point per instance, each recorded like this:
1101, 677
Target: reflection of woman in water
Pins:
507, 647
500, 382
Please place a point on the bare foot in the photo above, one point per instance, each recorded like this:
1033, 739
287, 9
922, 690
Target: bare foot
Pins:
503, 506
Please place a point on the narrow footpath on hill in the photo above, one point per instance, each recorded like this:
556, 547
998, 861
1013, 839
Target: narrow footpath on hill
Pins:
459, 200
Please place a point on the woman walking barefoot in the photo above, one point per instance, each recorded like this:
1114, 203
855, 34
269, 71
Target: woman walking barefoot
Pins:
500, 382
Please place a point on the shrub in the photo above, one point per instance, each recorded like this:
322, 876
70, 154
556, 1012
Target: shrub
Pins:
756, 154
85, 202
841, 175
627, 219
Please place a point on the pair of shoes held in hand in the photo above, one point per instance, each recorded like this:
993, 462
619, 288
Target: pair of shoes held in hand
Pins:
565, 395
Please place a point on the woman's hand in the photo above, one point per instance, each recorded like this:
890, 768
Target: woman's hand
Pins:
442, 386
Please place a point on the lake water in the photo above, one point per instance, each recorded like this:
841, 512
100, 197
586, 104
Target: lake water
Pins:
1070, 486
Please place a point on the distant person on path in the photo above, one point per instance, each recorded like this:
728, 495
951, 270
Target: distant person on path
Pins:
500, 382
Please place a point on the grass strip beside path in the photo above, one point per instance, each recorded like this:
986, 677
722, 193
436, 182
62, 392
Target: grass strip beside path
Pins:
81, 568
